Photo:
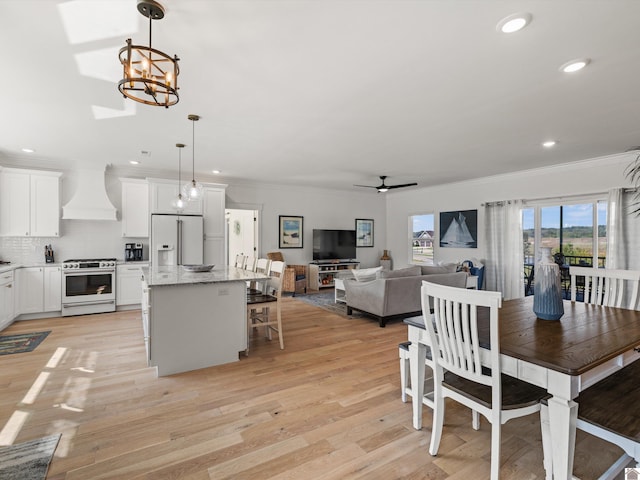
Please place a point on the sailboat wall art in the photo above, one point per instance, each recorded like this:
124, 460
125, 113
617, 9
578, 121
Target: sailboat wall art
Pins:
459, 229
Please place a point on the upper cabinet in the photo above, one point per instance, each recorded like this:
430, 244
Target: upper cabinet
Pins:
163, 194
135, 207
213, 199
29, 203
213, 202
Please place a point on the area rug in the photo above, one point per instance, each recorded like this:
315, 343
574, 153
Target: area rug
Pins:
29, 460
326, 300
24, 342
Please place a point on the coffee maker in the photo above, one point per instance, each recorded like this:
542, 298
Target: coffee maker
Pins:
132, 252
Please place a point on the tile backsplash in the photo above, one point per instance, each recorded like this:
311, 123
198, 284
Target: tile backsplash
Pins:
79, 239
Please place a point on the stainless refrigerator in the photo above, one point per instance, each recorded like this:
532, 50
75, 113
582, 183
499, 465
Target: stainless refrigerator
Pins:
177, 240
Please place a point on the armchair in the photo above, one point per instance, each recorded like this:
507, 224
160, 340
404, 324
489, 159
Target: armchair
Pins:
295, 276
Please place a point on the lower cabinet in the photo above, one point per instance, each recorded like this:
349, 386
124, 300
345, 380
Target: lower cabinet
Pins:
128, 286
6, 299
52, 289
39, 290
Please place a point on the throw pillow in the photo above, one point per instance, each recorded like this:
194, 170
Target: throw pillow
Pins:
413, 271
433, 269
366, 274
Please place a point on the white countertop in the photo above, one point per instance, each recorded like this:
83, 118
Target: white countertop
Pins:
164, 276
14, 266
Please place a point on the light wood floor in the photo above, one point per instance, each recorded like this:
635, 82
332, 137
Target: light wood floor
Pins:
327, 407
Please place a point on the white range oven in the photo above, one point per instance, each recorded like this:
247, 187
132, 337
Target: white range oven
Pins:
88, 286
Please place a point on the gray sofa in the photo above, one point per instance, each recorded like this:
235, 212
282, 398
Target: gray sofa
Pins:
396, 294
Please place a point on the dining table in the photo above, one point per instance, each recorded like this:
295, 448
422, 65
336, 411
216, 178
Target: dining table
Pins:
587, 344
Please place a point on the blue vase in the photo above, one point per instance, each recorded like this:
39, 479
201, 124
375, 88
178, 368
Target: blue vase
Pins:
547, 289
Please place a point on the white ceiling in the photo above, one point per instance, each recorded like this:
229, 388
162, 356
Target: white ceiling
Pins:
326, 93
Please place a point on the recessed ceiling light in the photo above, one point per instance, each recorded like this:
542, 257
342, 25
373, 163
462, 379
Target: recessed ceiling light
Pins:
28, 150
134, 162
575, 65
513, 23
549, 143
217, 172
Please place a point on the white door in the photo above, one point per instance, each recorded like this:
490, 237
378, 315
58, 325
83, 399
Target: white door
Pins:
243, 233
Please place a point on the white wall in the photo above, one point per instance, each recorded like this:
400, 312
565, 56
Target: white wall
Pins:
329, 209
590, 176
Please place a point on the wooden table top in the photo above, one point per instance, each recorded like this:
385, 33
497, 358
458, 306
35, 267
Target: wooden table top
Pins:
585, 337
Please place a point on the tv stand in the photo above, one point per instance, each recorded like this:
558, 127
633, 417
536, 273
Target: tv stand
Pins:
322, 273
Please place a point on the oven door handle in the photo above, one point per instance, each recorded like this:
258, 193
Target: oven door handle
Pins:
74, 304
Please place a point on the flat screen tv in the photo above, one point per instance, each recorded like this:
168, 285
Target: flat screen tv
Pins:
334, 244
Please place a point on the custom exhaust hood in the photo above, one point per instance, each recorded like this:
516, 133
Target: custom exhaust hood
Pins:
90, 200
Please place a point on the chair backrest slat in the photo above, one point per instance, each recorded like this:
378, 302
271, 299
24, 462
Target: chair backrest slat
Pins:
606, 286
454, 326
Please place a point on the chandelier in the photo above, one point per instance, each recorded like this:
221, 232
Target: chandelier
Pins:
193, 190
150, 76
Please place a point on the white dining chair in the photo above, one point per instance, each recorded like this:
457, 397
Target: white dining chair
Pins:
606, 286
250, 264
240, 261
259, 304
405, 378
610, 410
472, 378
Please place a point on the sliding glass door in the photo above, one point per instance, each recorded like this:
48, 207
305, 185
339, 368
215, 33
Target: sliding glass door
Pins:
575, 232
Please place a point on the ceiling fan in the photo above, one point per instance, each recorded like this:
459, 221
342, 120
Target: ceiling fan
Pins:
383, 188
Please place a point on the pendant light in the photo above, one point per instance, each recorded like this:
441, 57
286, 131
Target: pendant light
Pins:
193, 190
180, 202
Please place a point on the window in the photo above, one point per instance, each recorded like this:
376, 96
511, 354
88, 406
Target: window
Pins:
575, 231
421, 235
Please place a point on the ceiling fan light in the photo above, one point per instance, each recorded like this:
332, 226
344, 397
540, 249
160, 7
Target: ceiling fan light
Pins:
383, 189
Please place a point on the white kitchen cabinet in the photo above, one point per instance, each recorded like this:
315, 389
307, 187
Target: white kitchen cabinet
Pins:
214, 224
7, 311
128, 286
135, 208
52, 289
39, 289
30, 284
29, 203
163, 194
144, 306
214, 251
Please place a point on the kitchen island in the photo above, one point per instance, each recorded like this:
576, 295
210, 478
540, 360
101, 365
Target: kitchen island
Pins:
194, 320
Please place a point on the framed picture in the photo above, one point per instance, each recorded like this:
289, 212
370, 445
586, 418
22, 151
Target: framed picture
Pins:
459, 229
364, 232
290, 232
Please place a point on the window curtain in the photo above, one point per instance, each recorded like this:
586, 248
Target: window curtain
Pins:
504, 270
623, 230
616, 244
